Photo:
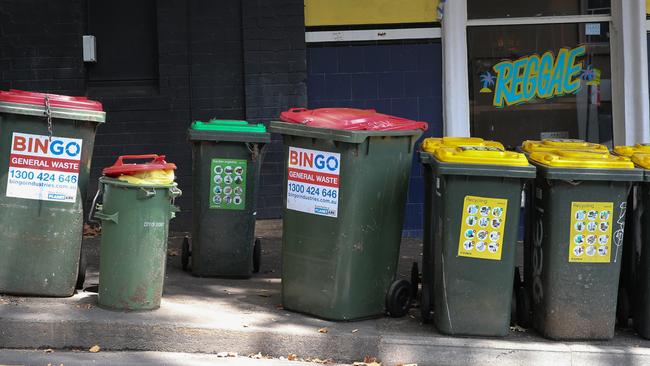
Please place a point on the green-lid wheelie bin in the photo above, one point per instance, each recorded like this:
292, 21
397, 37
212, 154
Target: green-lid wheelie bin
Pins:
46, 146
473, 195
579, 208
138, 202
346, 181
227, 157
430, 145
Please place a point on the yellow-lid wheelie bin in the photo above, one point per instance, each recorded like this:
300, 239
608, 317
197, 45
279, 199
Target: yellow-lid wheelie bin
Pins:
473, 205
578, 218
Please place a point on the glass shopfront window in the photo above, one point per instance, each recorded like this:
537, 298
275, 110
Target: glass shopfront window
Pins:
540, 80
482, 9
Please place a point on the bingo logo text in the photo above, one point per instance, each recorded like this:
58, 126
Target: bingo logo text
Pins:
37, 145
311, 160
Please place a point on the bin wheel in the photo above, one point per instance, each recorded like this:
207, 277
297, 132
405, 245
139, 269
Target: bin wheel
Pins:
185, 253
257, 255
398, 298
524, 309
623, 308
425, 305
415, 280
81, 275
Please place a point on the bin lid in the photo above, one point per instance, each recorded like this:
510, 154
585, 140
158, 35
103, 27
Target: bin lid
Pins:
642, 160
484, 155
61, 106
226, 125
350, 119
581, 159
631, 150
157, 162
530, 146
431, 144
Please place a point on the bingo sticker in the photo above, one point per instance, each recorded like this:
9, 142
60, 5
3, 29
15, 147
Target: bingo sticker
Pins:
313, 181
591, 232
44, 168
483, 223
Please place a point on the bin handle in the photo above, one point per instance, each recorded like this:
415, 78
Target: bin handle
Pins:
144, 193
175, 192
93, 206
155, 158
297, 110
107, 217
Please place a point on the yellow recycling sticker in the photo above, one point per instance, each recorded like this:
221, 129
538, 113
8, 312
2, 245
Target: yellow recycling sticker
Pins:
591, 232
481, 230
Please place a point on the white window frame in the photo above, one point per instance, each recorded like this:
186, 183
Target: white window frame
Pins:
629, 62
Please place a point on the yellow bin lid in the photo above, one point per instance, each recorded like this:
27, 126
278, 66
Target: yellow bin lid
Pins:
486, 155
431, 144
530, 146
581, 159
642, 160
631, 150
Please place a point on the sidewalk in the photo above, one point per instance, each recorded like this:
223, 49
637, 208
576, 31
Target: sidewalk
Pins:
244, 316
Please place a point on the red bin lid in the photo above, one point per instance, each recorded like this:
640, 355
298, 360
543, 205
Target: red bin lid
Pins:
120, 168
56, 101
350, 119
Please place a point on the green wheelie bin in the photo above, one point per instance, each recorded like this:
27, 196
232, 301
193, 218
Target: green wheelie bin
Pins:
46, 146
430, 145
640, 276
137, 206
523, 286
227, 157
579, 209
473, 202
346, 181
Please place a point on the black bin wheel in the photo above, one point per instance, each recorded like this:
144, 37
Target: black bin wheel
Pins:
415, 280
623, 308
257, 255
425, 305
398, 298
81, 275
185, 253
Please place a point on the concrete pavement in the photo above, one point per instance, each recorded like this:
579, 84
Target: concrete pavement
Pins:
203, 315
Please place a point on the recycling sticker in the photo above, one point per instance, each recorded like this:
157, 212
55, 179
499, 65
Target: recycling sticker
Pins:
228, 184
591, 232
482, 227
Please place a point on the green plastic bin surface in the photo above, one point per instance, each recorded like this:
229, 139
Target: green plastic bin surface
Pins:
41, 229
224, 202
469, 289
342, 229
574, 290
641, 274
133, 252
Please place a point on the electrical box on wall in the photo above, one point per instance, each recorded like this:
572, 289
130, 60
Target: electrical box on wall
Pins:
90, 49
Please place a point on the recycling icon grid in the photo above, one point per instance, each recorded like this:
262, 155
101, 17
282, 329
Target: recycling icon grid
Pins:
482, 227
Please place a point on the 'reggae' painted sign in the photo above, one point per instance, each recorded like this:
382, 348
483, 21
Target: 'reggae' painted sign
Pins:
532, 77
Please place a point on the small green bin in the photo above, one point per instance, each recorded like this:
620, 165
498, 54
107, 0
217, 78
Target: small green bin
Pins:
133, 253
227, 157
472, 208
578, 219
46, 147
345, 195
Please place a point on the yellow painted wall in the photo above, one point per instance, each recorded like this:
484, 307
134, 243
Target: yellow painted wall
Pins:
351, 12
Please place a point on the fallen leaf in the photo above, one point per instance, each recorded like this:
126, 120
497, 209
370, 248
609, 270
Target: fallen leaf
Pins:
172, 252
90, 231
279, 307
323, 330
227, 354
84, 306
369, 359
355, 330
49, 350
94, 349
517, 328
292, 357
257, 356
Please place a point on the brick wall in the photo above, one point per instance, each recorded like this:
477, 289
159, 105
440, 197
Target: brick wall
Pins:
233, 59
399, 78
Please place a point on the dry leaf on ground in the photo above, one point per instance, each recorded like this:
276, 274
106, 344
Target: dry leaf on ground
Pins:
49, 350
292, 357
172, 252
94, 349
323, 330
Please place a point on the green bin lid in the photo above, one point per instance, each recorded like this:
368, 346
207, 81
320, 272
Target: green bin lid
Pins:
225, 125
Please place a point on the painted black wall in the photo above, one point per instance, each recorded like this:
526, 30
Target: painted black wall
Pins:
237, 59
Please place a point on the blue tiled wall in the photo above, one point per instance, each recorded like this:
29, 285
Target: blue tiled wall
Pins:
403, 79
